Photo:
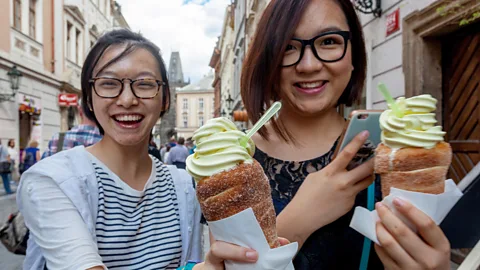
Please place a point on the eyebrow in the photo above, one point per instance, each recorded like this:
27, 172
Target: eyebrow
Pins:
327, 29
113, 74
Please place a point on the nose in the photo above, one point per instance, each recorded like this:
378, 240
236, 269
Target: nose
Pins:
127, 98
309, 63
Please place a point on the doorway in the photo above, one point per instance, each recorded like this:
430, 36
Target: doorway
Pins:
461, 93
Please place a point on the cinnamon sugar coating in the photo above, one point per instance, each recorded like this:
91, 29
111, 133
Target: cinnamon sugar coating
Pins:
227, 193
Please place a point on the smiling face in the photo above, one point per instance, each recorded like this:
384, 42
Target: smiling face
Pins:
312, 86
126, 119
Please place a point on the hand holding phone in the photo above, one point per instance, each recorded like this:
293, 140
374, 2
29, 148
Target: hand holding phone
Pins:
359, 121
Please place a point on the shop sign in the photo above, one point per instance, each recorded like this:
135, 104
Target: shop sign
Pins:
393, 22
67, 100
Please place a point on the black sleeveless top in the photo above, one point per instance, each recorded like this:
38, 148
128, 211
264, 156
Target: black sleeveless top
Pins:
334, 246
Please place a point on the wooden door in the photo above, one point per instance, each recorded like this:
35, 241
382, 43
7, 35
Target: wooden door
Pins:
461, 93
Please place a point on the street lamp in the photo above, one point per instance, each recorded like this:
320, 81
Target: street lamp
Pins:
369, 7
223, 113
229, 102
14, 75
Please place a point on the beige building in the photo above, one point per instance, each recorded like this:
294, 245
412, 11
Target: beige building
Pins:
47, 42
239, 26
195, 106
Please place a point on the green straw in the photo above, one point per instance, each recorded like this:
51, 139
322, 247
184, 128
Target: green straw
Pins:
393, 105
265, 118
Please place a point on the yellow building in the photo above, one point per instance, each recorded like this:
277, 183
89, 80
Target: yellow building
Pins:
195, 106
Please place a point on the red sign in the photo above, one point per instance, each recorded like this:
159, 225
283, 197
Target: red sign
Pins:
67, 100
393, 22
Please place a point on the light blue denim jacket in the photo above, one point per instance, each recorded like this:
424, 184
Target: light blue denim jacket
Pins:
72, 170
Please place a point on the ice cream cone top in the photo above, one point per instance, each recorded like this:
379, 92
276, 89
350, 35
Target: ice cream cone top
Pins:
218, 149
417, 126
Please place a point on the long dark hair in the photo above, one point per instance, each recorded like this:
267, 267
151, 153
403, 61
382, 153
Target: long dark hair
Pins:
118, 37
261, 70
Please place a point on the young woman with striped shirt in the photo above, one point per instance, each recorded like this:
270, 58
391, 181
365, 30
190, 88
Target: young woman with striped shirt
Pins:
112, 205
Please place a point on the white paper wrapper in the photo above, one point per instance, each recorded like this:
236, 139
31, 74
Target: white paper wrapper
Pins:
243, 229
435, 206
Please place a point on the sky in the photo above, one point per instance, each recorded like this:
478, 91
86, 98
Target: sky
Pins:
191, 27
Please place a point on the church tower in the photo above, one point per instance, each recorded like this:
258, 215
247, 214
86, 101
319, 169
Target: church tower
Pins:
176, 80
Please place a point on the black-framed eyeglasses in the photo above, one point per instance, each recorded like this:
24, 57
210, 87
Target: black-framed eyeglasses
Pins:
327, 47
112, 87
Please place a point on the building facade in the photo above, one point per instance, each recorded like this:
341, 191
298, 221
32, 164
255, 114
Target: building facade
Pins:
47, 42
166, 126
195, 106
239, 26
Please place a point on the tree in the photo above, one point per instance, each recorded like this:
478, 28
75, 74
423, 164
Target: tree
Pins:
453, 7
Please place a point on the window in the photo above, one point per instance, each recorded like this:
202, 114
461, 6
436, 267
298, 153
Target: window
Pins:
185, 104
200, 103
32, 17
185, 121
17, 15
200, 121
69, 41
77, 46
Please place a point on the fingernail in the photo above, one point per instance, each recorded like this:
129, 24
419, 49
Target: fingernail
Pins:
365, 134
251, 255
379, 205
398, 202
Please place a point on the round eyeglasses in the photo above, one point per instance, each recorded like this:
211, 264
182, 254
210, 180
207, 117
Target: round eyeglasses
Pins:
113, 87
327, 47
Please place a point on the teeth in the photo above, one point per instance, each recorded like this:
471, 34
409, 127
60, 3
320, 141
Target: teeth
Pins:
310, 85
129, 118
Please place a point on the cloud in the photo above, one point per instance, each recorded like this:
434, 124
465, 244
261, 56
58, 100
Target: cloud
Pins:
191, 27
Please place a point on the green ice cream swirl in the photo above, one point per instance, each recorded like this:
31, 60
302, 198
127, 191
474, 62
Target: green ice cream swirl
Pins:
218, 149
417, 126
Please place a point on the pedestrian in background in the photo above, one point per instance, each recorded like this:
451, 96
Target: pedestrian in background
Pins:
31, 155
178, 154
5, 167
86, 134
153, 150
13, 159
162, 153
167, 154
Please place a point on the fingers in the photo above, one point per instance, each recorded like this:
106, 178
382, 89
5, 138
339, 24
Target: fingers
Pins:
387, 261
407, 239
283, 241
221, 251
349, 152
361, 172
430, 232
392, 248
364, 183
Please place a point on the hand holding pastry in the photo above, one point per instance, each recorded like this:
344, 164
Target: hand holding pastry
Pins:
404, 249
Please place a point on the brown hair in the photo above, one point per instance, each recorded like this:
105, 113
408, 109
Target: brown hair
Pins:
263, 64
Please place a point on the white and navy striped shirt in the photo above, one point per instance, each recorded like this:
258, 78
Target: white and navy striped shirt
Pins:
138, 229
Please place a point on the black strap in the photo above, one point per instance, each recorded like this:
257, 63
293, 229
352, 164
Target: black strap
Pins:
61, 138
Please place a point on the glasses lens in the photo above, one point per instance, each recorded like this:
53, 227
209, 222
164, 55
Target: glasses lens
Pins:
330, 47
145, 88
292, 53
106, 87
